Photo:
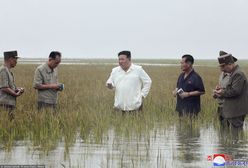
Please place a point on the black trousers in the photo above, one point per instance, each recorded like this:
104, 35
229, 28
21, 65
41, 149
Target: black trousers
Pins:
191, 114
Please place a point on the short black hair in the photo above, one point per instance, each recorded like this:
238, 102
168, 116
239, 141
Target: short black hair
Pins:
53, 54
127, 53
189, 58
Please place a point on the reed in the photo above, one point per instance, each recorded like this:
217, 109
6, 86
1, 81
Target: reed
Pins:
85, 109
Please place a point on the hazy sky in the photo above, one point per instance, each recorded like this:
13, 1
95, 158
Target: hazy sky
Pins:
102, 28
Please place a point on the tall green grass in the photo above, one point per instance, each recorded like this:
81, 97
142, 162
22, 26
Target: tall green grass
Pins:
85, 108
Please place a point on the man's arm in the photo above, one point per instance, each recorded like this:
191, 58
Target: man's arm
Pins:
236, 88
4, 85
199, 89
38, 82
147, 82
47, 86
110, 83
12, 92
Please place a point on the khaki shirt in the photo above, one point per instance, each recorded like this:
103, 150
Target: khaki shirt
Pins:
45, 75
223, 81
7, 80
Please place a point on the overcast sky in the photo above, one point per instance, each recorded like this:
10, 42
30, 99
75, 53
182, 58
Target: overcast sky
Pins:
102, 28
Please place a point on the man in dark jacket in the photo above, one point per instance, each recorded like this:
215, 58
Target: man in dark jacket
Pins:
189, 89
235, 94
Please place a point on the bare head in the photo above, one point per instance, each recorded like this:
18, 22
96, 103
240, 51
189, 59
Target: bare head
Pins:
124, 59
187, 62
54, 59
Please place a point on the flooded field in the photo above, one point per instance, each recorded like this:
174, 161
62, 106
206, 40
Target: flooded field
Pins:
87, 132
170, 147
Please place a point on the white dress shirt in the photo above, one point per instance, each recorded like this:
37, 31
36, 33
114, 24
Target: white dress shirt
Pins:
130, 86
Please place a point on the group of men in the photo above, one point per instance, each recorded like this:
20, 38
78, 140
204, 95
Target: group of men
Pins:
132, 84
45, 81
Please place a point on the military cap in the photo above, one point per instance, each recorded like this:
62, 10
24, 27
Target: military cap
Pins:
226, 58
10, 54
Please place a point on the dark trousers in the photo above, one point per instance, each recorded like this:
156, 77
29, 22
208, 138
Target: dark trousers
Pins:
44, 106
191, 114
235, 122
9, 109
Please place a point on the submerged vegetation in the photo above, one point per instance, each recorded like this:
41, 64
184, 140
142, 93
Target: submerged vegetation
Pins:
85, 109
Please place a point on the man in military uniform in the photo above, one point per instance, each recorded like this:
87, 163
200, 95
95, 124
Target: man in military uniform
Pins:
235, 94
223, 80
46, 82
8, 89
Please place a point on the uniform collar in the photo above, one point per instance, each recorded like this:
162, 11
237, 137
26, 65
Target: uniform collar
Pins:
6, 67
234, 69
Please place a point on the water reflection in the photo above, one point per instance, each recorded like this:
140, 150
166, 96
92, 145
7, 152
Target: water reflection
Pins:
188, 135
184, 144
233, 143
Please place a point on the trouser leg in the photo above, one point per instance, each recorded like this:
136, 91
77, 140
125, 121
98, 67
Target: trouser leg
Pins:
10, 110
220, 117
43, 106
236, 122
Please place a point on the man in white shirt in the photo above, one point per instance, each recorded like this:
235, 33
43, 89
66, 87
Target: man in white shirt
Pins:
131, 84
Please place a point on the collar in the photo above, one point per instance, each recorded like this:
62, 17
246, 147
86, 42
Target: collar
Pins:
6, 67
129, 69
192, 71
48, 69
234, 69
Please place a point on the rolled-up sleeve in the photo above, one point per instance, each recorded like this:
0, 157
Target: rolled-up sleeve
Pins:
38, 79
146, 81
4, 81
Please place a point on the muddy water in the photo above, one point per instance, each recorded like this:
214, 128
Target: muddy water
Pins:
180, 145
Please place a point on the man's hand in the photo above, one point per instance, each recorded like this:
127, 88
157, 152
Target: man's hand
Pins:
109, 85
184, 95
54, 86
217, 87
218, 92
19, 91
174, 92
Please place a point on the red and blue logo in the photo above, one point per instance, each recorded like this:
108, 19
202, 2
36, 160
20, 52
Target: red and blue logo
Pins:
219, 160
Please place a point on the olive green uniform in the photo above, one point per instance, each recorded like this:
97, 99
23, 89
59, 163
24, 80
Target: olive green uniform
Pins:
7, 81
45, 75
